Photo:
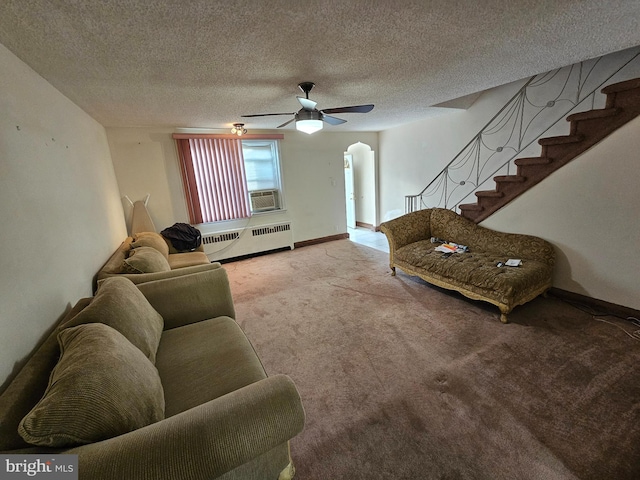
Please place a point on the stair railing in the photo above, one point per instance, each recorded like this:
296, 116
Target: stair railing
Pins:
539, 107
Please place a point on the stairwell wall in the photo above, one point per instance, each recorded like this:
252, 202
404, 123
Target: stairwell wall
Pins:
587, 209
413, 154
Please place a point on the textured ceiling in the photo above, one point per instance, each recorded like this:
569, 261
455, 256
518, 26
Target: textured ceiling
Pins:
203, 63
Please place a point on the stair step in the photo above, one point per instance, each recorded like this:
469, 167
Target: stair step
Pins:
588, 115
489, 194
509, 178
521, 162
622, 86
563, 139
471, 207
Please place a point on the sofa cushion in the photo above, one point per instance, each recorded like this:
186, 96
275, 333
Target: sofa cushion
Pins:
153, 240
29, 385
101, 387
203, 361
145, 260
119, 304
188, 259
476, 271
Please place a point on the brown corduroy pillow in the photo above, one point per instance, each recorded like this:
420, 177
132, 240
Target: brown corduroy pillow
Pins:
102, 386
119, 304
153, 240
145, 260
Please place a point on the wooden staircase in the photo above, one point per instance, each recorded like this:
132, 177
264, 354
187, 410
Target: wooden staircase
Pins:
587, 129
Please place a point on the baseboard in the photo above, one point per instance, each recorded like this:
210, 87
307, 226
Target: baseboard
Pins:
368, 226
251, 255
599, 306
315, 241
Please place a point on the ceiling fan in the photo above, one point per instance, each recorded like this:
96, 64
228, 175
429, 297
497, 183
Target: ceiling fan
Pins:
309, 119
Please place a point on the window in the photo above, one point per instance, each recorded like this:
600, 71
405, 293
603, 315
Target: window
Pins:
261, 163
228, 178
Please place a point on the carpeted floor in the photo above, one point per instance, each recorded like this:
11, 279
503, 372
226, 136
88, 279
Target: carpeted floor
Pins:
401, 380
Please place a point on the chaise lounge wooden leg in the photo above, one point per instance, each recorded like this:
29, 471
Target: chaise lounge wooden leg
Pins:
393, 271
503, 318
289, 471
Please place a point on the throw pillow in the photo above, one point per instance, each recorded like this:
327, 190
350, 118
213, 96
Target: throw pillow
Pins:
153, 240
145, 260
119, 304
101, 387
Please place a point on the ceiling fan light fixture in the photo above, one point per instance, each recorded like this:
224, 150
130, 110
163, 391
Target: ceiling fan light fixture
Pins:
308, 121
308, 126
238, 129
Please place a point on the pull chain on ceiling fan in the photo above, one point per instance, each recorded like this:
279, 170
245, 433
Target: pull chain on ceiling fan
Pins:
309, 119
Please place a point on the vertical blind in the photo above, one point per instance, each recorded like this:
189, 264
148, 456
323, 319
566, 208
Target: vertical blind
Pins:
214, 179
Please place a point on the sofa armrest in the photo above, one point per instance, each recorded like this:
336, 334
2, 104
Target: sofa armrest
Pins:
186, 299
407, 229
203, 442
114, 264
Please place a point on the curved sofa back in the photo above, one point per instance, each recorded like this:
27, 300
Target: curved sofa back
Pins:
450, 226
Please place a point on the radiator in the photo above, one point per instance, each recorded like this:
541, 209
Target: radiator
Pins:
247, 241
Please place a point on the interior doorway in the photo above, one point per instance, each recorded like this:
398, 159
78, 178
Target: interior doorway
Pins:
361, 189
349, 188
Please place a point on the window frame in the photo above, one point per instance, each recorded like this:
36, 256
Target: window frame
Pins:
274, 145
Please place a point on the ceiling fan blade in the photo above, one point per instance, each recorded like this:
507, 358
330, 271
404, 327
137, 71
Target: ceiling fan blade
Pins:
333, 120
306, 103
353, 109
268, 114
286, 123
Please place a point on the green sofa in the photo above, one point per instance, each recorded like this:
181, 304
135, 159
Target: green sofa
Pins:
476, 273
154, 381
146, 255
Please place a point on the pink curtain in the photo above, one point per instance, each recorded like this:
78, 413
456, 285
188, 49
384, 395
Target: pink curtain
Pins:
214, 171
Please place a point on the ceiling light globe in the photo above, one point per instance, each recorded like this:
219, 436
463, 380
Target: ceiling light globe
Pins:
308, 126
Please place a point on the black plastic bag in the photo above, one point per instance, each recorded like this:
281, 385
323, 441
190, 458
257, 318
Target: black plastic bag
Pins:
183, 237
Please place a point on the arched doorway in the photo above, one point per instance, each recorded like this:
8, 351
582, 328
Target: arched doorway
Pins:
364, 197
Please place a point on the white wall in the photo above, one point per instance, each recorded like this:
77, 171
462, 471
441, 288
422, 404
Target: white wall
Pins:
145, 161
60, 212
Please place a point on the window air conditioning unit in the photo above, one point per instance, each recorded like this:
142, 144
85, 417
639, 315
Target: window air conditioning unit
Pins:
264, 200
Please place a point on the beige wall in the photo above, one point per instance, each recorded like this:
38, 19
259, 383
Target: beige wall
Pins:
145, 162
60, 212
